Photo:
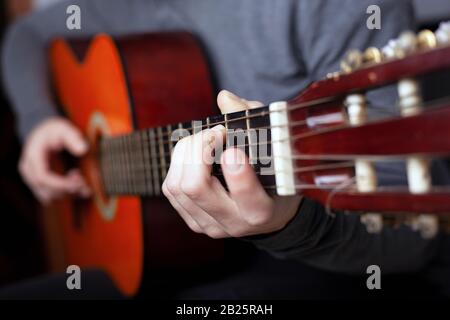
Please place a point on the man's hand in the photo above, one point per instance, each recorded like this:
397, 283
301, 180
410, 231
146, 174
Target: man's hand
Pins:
203, 202
53, 135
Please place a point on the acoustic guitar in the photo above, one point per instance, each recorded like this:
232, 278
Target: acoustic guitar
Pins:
131, 95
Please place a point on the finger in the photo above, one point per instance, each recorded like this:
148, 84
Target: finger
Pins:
254, 104
196, 219
244, 186
172, 186
43, 195
210, 227
192, 224
41, 176
83, 190
229, 103
199, 157
180, 188
207, 195
71, 139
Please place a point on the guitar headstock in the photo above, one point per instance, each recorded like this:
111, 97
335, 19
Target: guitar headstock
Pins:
350, 161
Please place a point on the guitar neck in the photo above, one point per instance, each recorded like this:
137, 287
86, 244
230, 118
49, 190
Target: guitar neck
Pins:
137, 163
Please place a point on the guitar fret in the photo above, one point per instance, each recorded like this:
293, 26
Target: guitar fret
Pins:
137, 164
225, 120
114, 186
236, 135
121, 165
169, 135
251, 152
123, 183
127, 165
147, 163
104, 165
128, 172
154, 156
132, 160
140, 177
111, 185
163, 166
132, 163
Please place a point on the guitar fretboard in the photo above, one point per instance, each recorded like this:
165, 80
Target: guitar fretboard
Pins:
137, 163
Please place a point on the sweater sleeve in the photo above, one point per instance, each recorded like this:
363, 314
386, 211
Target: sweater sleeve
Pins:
24, 53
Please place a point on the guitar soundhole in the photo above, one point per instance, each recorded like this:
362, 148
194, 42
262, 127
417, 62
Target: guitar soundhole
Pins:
97, 129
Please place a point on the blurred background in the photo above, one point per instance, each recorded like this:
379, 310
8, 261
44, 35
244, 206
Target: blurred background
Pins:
22, 249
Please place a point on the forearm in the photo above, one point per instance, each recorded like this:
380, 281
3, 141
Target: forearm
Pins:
24, 56
25, 77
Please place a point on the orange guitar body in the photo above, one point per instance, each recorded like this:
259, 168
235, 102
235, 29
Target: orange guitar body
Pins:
113, 87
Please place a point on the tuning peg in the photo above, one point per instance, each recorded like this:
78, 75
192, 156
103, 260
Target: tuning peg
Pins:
352, 61
334, 75
372, 55
392, 50
443, 33
426, 39
373, 222
408, 42
427, 225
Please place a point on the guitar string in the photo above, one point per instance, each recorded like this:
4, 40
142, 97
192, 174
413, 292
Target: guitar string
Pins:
130, 178
256, 115
291, 124
431, 105
267, 143
321, 157
291, 138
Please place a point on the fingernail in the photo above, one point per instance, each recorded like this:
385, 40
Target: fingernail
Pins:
218, 128
232, 96
233, 160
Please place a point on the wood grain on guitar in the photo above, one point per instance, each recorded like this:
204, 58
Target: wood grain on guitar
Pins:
130, 95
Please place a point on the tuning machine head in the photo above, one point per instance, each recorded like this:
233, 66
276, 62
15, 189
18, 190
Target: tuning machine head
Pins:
372, 55
443, 33
406, 44
426, 39
352, 61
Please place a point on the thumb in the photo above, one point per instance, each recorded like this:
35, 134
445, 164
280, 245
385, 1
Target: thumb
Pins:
243, 184
229, 103
72, 140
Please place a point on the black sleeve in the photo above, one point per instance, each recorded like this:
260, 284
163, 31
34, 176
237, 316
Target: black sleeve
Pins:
341, 243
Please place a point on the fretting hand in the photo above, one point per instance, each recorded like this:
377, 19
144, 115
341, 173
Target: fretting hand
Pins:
201, 200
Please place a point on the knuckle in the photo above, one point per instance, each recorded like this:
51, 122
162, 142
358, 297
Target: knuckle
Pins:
195, 227
257, 219
173, 188
39, 180
214, 233
182, 142
165, 190
204, 225
193, 189
237, 232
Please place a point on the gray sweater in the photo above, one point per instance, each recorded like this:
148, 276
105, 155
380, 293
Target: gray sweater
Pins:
263, 50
